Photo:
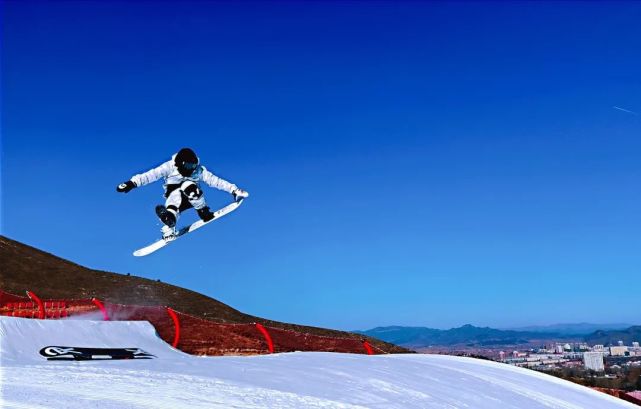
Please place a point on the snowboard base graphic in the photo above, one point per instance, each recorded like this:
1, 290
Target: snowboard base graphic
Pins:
62, 353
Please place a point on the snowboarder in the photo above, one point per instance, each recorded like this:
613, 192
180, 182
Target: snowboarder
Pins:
182, 189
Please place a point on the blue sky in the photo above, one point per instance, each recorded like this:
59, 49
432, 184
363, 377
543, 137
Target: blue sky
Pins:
429, 164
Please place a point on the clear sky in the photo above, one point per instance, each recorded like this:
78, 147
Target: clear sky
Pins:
429, 164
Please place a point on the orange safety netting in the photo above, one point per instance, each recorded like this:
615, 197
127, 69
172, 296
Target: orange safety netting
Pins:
188, 333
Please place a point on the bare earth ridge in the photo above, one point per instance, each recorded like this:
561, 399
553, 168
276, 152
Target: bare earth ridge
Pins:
23, 268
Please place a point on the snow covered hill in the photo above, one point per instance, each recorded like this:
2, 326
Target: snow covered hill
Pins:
296, 380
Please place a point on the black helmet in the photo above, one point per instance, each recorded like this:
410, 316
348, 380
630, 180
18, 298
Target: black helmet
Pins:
186, 161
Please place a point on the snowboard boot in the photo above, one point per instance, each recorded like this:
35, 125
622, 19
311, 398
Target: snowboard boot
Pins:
166, 216
205, 214
169, 220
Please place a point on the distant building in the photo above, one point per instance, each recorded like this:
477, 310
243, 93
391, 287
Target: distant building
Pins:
618, 351
620, 343
558, 349
502, 355
573, 355
594, 361
537, 357
598, 347
635, 345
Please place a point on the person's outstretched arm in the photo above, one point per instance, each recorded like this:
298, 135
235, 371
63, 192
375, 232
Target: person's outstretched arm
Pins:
221, 184
146, 178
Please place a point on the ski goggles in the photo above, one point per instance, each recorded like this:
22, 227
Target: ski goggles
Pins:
189, 166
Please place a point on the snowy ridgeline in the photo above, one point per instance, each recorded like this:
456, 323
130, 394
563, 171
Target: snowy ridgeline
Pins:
296, 380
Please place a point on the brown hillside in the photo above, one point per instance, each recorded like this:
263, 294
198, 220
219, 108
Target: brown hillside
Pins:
26, 268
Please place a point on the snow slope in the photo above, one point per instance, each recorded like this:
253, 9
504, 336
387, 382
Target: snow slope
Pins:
295, 380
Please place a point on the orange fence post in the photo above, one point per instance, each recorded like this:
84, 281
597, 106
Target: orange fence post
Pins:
41, 307
368, 347
102, 308
268, 338
174, 317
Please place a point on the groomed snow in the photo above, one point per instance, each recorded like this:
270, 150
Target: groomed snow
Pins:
295, 380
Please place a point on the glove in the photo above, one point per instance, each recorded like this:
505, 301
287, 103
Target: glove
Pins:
125, 187
239, 194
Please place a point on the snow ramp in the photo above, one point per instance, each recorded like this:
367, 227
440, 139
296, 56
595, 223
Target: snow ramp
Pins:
22, 339
300, 380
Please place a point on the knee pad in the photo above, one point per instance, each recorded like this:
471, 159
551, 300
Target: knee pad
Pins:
173, 209
191, 190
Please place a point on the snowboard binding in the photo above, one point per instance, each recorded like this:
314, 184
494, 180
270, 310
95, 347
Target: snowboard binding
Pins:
168, 218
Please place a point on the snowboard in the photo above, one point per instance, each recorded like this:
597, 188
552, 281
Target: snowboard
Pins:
157, 245
61, 353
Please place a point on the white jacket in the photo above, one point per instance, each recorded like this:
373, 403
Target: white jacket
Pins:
169, 171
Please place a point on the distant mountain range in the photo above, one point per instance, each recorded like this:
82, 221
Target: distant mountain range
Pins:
628, 336
469, 335
572, 329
